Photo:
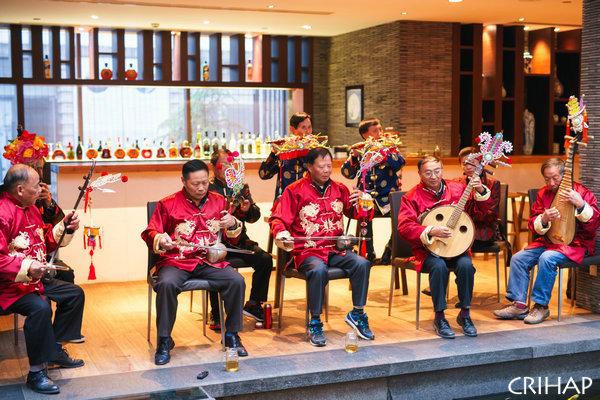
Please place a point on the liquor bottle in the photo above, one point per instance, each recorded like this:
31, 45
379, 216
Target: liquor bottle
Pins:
241, 143
206, 145
58, 153
70, 152
160, 152
106, 73
130, 74
134, 150
224, 141
91, 152
258, 145
232, 142
173, 150
119, 152
186, 150
205, 73
79, 151
146, 151
198, 147
249, 145
249, 71
106, 151
215, 142
47, 68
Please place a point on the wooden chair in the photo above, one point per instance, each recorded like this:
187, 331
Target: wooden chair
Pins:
498, 246
188, 286
16, 324
289, 271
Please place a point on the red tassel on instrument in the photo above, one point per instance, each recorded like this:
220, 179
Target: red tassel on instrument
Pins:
566, 145
92, 274
585, 127
363, 249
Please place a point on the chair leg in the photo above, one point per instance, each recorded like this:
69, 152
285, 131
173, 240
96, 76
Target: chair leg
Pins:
204, 311
560, 276
404, 283
573, 278
149, 311
418, 296
392, 279
307, 312
326, 302
281, 299
16, 329
222, 320
498, 276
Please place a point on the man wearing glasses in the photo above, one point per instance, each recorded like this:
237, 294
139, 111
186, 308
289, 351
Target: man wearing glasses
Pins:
431, 192
545, 254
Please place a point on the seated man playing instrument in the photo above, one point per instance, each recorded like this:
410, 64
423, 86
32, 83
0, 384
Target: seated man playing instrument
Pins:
188, 218
24, 241
311, 208
431, 192
543, 252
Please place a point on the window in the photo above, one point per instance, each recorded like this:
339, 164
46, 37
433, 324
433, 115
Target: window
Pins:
8, 120
5, 58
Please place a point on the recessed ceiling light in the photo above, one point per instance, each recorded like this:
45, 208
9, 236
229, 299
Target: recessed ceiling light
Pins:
455, 1
556, 29
155, 25
81, 29
206, 22
306, 26
94, 16
270, 6
37, 19
404, 13
521, 19
526, 28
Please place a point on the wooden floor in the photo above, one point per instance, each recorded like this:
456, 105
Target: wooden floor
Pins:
116, 314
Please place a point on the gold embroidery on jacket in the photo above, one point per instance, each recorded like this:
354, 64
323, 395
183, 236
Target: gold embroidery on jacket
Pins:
310, 210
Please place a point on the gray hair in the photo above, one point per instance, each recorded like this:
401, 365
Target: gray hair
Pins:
16, 175
554, 162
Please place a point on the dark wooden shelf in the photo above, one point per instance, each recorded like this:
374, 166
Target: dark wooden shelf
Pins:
537, 75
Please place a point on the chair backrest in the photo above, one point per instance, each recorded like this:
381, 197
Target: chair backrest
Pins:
152, 257
532, 194
502, 207
400, 247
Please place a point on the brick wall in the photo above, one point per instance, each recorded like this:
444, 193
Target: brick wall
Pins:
405, 68
588, 286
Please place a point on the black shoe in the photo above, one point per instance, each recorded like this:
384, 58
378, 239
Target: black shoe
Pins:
442, 328
162, 355
426, 291
39, 382
254, 311
467, 326
233, 341
64, 361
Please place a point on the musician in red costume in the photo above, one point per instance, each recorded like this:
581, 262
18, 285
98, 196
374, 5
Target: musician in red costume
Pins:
194, 215
431, 192
315, 206
24, 241
544, 253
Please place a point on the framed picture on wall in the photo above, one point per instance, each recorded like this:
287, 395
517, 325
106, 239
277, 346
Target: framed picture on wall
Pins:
354, 105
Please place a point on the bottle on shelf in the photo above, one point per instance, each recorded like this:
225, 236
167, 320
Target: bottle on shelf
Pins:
173, 150
258, 145
186, 151
106, 73
160, 151
59, 153
79, 150
130, 74
91, 152
206, 145
437, 152
215, 142
146, 151
249, 71
232, 146
224, 141
134, 150
241, 143
47, 68
205, 72
106, 151
198, 147
70, 152
119, 152
249, 144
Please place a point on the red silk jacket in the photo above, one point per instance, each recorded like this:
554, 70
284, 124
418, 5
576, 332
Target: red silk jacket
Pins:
418, 200
303, 211
585, 233
23, 238
177, 216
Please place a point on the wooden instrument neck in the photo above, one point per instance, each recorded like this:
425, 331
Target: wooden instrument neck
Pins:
460, 206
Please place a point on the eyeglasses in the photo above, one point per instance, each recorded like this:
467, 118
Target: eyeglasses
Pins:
430, 173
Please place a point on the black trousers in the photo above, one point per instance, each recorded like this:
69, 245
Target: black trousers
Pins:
262, 263
439, 273
41, 335
228, 281
316, 270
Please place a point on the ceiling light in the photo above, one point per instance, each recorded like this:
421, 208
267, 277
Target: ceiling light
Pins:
556, 29
37, 19
94, 16
270, 6
455, 1
526, 28
404, 13
206, 22
81, 29
306, 26
154, 25
521, 19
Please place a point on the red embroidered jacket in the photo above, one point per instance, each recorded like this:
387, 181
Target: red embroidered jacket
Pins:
177, 216
586, 225
303, 211
420, 199
23, 238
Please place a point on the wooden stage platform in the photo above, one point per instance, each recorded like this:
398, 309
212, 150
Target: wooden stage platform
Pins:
116, 347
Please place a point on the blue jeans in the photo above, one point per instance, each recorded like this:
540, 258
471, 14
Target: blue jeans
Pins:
520, 270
